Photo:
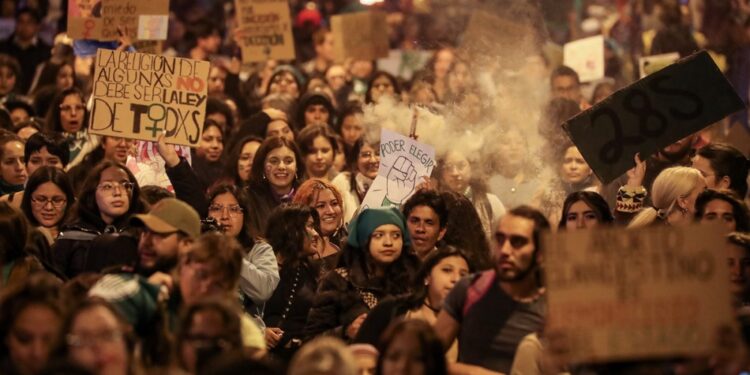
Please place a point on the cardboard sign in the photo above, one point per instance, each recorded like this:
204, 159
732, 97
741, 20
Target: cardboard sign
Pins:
586, 57
651, 114
404, 163
154, 47
360, 36
651, 64
99, 19
265, 30
138, 95
617, 294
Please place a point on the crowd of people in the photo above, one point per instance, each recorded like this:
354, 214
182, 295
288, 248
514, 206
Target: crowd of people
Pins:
255, 256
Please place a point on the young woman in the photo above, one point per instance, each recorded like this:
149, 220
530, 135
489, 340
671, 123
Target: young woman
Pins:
207, 158
108, 198
228, 205
116, 149
382, 84
30, 319
585, 210
319, 146
315, 108
375, 263
68, 116
10, 77
97, 337
724, 207
411, 347
293, 232
437, 275
363, 168
573, 174
326, 200
350, 126
274, 178
673, 195
455, 174
240, 161
13, 173
47, 200
285, 80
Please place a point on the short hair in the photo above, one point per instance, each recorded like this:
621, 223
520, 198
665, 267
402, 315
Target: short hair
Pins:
431, 199
319, 36
739, 209
307, 136
433, 356
152, 194
592, 199
741, 239
220, 251
540, 221
55, 145
564, 71
727, 161
30, 12
43, 175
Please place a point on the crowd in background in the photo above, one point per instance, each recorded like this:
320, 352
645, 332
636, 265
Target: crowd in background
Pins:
254, 255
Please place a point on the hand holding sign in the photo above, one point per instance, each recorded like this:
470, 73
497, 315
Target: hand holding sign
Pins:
401, 180
652, 113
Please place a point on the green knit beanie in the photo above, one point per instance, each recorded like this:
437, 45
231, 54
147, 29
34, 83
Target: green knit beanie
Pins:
362, 226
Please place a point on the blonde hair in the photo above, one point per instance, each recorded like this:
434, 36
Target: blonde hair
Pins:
670, 185
323, 355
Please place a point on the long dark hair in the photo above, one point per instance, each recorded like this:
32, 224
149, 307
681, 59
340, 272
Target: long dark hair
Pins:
433, 356
593, 200
248, 234
464, 230
14, 234
42, 175
86, 208
230, 169
739, 209
420, 290
287, 231
53, 122
257, 180
376, 75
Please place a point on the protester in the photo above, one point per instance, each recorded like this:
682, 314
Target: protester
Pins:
318, 146
364, 162
15, 235
585, 210
722, 206
326, 200
207, 158
240, 160
47, 201
294, 233
674, 193
411, 347
426, 217
723, 167
68, 116
13, 173
382, 84
108, 198
511, 290
376, 262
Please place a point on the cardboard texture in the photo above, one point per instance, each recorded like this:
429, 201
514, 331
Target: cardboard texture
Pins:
652, 113
618, 294
586, 57
360, 36
265, 30
98, 19
651, 64
138, 95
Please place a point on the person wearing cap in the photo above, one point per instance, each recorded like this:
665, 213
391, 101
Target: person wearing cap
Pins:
168, 229
375, 263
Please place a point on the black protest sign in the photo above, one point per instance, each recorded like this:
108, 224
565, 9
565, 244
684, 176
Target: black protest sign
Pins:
652, 113
138, 95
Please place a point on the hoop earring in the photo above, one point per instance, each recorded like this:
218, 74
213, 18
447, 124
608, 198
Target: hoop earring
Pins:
264, 177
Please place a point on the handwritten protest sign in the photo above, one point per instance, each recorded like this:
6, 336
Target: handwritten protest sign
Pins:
265, 30
652, 113
99, 19
651, 64
404, 163
586, 57
653, 292
360, 36
137, 95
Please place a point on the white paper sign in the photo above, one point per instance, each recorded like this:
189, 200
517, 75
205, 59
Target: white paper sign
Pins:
148, 167
586, 57
404, 164
152, 27
651, 64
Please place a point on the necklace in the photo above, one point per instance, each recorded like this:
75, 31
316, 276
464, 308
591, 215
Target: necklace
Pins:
433, 309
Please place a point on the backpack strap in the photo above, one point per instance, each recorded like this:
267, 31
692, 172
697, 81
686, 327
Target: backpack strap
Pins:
478, 288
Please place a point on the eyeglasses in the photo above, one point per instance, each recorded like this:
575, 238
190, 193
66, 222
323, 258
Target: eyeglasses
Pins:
90, 340
72, 108
109, 187
516, 241
41, 201
218, 209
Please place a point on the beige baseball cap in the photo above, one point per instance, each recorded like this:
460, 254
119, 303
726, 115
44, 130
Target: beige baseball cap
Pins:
171, 215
